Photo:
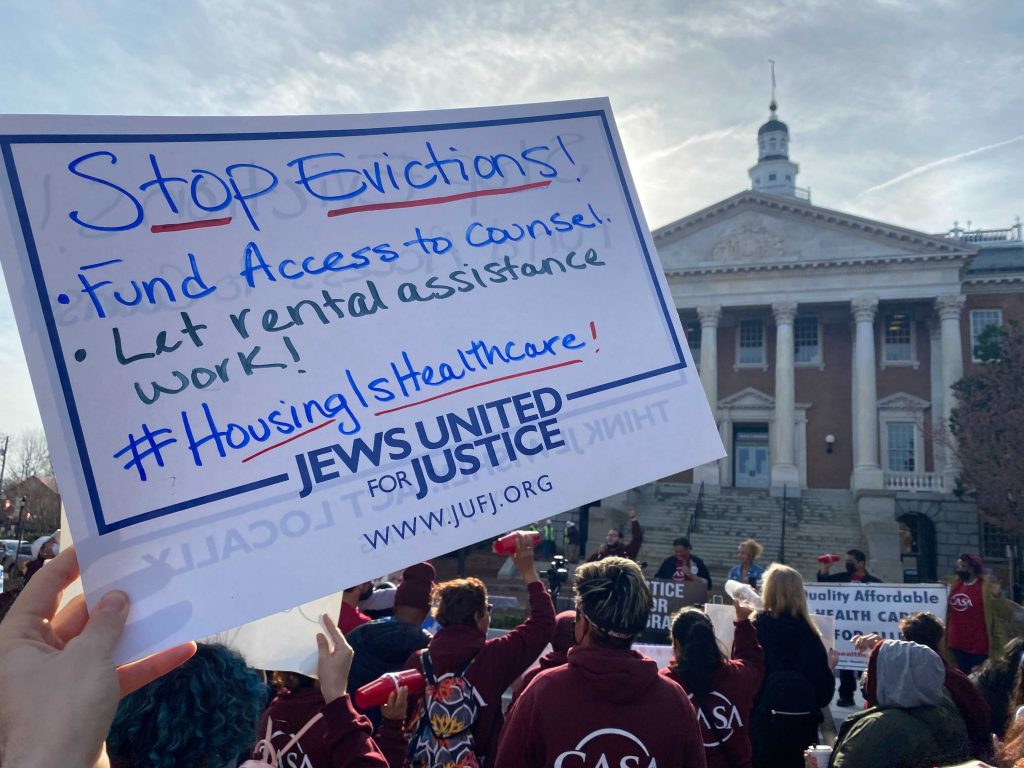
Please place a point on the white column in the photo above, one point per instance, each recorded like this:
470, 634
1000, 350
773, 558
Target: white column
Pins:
709, 317
709, 474
949, 309
866, 471
937, 394
784, 469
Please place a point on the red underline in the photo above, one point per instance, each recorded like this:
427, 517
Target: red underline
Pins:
437, 200
293, 437
479, 384
158, 228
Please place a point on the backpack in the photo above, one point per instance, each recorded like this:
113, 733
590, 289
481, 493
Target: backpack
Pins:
443, 730
268, 756
786, 713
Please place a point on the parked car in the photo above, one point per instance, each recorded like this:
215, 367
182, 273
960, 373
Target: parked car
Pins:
14, 557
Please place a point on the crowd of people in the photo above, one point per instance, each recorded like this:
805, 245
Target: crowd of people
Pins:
581, 692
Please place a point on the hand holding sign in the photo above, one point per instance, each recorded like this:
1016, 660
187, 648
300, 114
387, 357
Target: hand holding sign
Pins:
42, 653
334, 660
265, 344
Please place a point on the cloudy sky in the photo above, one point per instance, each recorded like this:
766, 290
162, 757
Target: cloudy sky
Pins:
911, 112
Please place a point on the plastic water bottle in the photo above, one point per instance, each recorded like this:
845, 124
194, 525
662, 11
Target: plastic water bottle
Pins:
744, 595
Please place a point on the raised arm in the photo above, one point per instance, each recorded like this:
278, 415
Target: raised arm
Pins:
636, 535
513, 652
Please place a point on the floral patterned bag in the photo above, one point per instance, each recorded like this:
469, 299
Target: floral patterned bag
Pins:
450, 706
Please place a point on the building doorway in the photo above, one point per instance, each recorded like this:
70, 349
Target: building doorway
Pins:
751, 460
917, 547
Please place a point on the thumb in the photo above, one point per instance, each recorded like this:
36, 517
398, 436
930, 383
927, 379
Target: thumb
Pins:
106, 621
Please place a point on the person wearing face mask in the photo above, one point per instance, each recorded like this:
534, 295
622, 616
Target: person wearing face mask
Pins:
615, 546
856, 571
44, 548
974, 626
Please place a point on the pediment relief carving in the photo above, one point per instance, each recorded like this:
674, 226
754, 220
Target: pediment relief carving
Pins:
751, 233
748, 241
901, 401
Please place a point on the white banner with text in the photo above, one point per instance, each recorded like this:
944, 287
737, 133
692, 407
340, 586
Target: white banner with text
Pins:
279, 356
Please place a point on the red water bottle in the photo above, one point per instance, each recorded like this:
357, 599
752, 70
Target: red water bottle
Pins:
375, 694
506, 545
828, 559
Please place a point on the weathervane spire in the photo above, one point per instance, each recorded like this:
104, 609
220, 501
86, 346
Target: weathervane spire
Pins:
773, 106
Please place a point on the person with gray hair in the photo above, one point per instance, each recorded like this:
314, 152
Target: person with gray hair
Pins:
607, 705
912, 721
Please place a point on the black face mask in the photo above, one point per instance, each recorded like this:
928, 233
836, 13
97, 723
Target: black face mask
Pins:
964, 575
850, 568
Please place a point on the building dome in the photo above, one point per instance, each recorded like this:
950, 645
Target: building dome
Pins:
773, 124
774, 173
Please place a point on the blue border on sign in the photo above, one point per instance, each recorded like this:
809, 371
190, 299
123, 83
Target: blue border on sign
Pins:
8, 141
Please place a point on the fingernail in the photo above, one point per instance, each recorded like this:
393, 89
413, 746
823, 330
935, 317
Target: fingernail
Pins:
113, 602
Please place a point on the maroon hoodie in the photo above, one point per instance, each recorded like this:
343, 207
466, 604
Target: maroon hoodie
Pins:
497, 663
724, 714
604, 707
340, 740
564, 639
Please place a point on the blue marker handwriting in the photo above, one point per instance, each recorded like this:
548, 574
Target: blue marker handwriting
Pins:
323, 176
206, 436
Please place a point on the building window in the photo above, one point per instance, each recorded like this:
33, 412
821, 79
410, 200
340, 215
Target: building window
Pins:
788, 177
994, 542
771, 142
980, 320
899, 338
693, 336
771, 177
806, 340
901, 447
751, 343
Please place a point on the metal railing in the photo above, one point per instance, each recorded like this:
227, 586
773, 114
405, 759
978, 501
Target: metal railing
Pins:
698, 510
1009, 234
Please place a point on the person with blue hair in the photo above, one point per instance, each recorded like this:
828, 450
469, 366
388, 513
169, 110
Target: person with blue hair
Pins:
205, 714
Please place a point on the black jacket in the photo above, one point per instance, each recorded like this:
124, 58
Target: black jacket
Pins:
381, 646
790, 644
668, 569
843, 577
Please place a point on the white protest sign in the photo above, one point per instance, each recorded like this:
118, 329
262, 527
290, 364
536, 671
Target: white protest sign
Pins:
276, 357
863, 609
723, 616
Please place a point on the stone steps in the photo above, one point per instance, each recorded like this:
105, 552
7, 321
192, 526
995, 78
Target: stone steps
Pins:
817, 522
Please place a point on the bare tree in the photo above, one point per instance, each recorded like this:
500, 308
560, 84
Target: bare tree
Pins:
988, 428
27, 455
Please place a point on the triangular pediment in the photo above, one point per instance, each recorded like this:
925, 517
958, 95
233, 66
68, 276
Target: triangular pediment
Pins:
902, 401
748, 398
754, 231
